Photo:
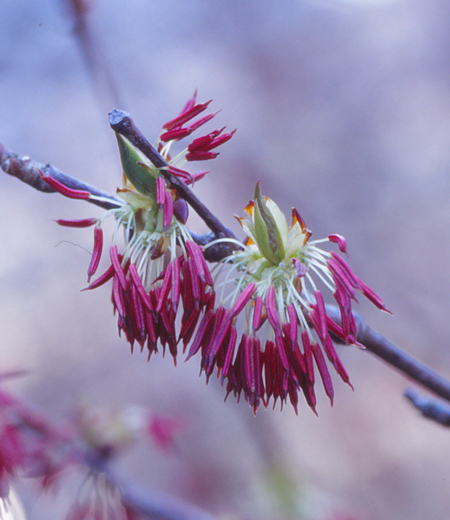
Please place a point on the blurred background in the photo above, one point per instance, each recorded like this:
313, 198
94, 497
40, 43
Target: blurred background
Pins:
343, 111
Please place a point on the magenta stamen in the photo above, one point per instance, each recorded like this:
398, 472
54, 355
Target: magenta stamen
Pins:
101, 280
201, 156
308, 356
340, 241
96, 253
77, 223
63, 189
201, 121
140, 288
168, 210
202, 142
243, 299
176, 134
165, 288
271, 309
323, 371
117, 267
160, 191
293, 323
257, 314
186, 116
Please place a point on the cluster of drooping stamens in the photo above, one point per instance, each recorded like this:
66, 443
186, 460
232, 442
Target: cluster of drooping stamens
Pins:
269, 335
285, 327
160, 266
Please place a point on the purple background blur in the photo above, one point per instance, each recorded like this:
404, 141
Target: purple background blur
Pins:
343, 111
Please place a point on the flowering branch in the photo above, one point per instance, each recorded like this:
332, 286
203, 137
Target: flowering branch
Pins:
272, 288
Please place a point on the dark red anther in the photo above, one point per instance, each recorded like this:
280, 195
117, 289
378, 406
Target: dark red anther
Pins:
135, 278
101, 280
77, 223
96, 253
117, 267
186, 115
340, 241
201, 156
63, 189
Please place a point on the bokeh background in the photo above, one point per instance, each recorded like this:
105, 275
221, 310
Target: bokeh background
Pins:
343, 111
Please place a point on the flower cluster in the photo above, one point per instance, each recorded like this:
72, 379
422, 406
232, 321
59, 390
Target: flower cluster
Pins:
160, 268
285, 329
266, 336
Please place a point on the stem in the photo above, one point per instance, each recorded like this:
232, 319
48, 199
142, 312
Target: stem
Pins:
27, 170
378, 345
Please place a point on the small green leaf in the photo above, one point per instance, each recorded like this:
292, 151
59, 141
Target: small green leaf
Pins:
140, 176
268, 236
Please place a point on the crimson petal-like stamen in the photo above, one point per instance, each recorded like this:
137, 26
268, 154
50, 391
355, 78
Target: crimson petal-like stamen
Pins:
118, 296
168, 210
243, 299
201, 156
77, 223
218, 141
140, 288
201, 267
257, 314
293, 323
280, 346
340, 241
186, 116
370, 295
165, 288
101, 280
160, 191
323, 371
117, 267
308, 357
176, 134
63, 189
321, 315
96, 253
208, 318
271, 309
229, 353
201, 121
201, 143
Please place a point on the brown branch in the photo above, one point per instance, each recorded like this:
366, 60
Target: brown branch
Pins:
27, 170
378, 345
430, 408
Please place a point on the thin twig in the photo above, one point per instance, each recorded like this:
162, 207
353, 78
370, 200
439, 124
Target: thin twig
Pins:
27, 170
429, 407
377, 344
122, 123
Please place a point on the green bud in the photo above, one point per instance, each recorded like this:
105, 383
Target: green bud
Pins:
267, 233
140, 175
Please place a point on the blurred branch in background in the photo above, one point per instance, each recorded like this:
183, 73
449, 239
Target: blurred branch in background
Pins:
27, 171
96, 61
429, 407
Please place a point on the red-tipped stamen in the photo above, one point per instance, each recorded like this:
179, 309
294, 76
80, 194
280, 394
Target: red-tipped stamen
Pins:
63, 189
96, 253
77, 223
